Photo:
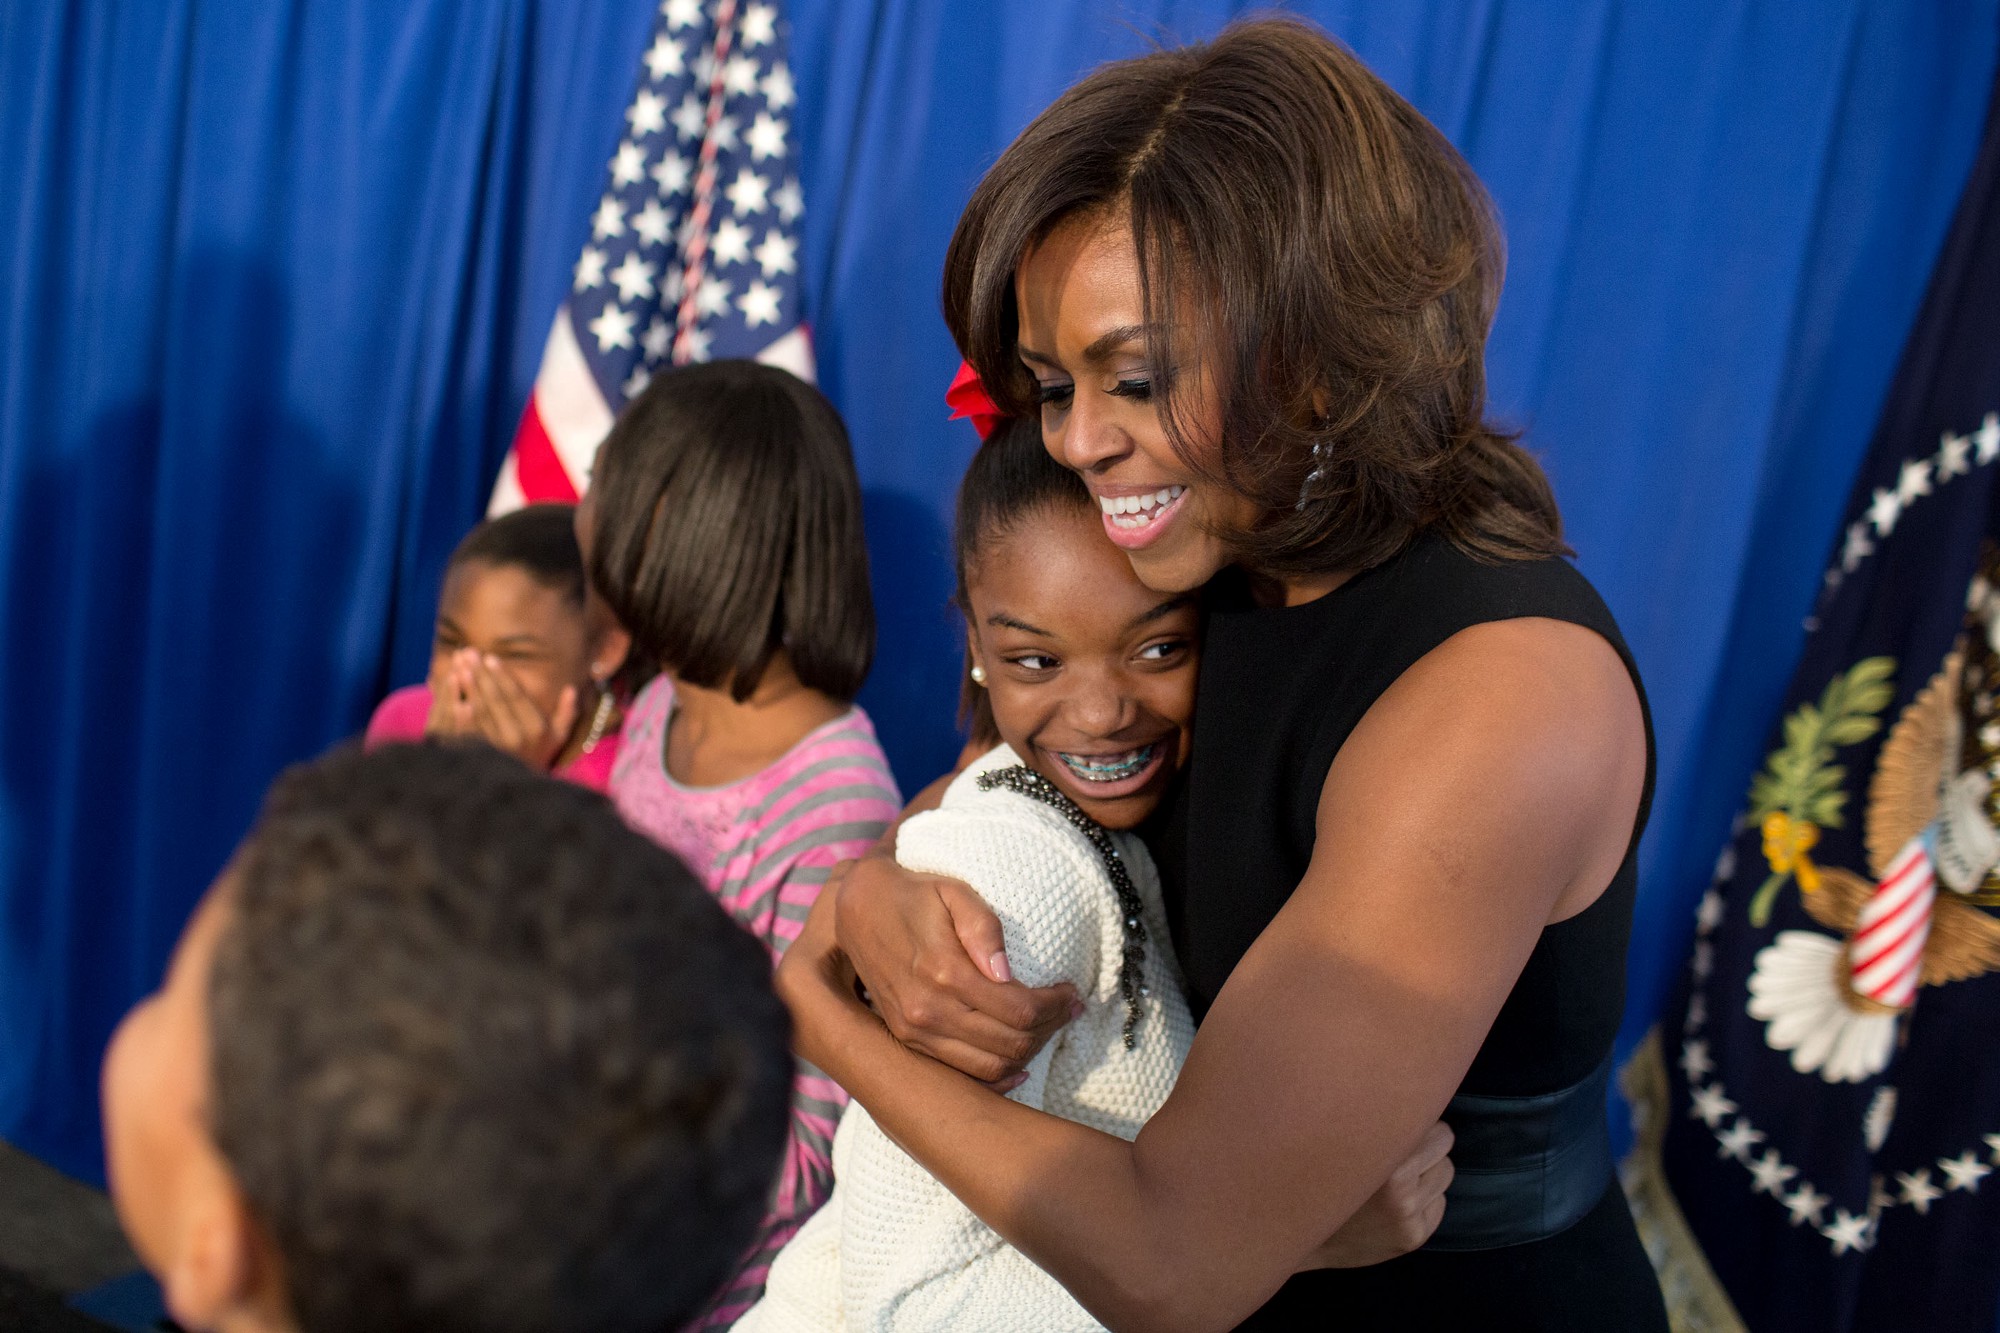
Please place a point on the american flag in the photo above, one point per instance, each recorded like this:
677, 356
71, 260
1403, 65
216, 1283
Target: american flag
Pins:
693, 251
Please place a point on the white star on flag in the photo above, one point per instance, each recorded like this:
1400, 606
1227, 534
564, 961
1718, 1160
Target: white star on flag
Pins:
790, 201
1805, 1204
1964, 1172
767, 137
613, 327
694, 343
1695, 1062
1738, 1140
659, 334
609, 220
589, 268
690, 116
1711, 1105
629, 166
713, 297
778, 89
739, 76
665, 57
1697, 1012
1846, 1232
681, 13
748, 193
636, 382
1987, 437
672, 173
648, 113
652, 223
760, 25
1951, 455
1859, 547
1993, 1146
732, 242
633, 278
1916, 1189
760, 304
1702, 962
724, 134
1770, 1173
1884, 511
1709, 914
1914, 481
778, 254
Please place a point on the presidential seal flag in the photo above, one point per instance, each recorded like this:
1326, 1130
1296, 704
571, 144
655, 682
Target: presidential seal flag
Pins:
1828, 1125
692, 252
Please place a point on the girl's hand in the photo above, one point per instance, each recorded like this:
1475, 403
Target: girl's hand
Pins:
506, 718
451, 711
1399, 1217
934, 960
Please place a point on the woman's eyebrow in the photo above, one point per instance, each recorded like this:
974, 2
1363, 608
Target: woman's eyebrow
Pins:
518, 641
1168, 607
1102, 347
1001, 618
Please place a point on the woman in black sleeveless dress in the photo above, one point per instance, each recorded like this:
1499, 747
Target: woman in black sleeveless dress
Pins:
1247, 288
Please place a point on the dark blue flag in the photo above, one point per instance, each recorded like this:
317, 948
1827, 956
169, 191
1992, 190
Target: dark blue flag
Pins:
1830, 1125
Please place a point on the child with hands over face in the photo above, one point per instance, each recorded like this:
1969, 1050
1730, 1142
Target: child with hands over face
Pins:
524, 658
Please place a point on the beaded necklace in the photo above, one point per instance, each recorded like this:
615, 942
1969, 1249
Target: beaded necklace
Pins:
1027, 782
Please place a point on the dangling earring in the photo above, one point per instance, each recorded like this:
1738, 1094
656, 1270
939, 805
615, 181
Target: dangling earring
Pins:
979, 676
600, 722
1321, 450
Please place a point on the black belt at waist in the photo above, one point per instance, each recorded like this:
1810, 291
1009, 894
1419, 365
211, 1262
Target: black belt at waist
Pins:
1526, 1167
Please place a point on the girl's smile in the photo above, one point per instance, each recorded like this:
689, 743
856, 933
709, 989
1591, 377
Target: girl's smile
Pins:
1090, 673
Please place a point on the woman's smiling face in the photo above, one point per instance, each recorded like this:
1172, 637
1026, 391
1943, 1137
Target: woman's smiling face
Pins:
1091, 674
1084, 338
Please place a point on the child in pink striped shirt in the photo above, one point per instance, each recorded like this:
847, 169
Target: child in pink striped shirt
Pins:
723, 527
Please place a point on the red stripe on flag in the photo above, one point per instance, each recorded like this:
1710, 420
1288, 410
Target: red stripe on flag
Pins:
1862, 964
542, 474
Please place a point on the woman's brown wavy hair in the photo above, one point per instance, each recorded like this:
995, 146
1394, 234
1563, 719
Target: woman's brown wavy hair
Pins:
1339, 262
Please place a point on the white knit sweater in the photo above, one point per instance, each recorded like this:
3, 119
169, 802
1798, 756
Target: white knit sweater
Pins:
892, 1249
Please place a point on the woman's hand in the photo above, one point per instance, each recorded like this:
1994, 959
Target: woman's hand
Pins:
934, 960
1400, 1216
480, 697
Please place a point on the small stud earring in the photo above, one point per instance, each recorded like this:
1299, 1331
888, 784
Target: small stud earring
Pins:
979, 675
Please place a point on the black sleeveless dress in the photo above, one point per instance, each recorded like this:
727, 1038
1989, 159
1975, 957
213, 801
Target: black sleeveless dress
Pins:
1281, 689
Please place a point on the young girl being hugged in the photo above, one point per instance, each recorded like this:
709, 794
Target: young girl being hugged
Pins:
1080, 686
723, 527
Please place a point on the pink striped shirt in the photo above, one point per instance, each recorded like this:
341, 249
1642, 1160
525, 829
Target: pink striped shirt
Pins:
764, 845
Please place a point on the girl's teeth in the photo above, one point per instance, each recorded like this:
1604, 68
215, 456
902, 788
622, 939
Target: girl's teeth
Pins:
1113, 768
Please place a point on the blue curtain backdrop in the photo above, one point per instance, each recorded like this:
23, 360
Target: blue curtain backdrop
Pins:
275, 279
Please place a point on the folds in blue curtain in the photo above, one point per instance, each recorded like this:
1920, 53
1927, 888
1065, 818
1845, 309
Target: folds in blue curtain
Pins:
275, 279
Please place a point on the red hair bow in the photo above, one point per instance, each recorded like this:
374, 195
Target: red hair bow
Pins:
968, 400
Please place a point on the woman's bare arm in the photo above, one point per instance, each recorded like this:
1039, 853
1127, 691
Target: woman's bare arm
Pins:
1490, 791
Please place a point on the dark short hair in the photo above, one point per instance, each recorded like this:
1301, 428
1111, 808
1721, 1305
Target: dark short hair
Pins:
1345, 261
483, 1057
728, 526
539, 539
1010, 478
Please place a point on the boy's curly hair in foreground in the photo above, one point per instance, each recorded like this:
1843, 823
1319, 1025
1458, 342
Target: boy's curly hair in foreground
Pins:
483, 1057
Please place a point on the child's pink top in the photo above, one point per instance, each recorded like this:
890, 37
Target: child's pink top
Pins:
402, 715
764, 846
